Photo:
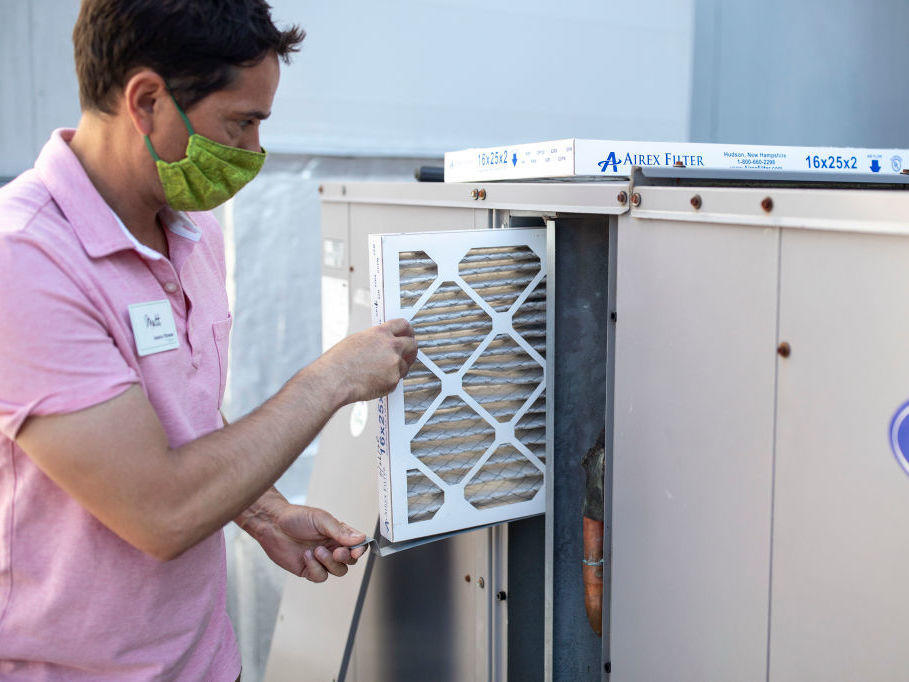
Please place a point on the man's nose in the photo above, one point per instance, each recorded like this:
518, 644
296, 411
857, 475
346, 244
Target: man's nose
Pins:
250, 141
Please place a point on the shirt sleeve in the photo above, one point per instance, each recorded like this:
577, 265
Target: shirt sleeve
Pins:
56, 354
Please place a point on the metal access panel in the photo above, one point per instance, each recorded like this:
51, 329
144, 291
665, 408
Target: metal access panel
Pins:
840, 607
693, 449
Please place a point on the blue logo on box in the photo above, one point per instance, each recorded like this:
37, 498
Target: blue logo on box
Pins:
899, 436
610, 161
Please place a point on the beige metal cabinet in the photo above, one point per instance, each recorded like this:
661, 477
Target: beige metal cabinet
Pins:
758, 506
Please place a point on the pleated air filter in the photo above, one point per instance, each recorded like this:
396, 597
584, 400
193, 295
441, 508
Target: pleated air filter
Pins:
462, 440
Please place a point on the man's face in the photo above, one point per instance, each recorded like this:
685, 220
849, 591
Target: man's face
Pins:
230, 116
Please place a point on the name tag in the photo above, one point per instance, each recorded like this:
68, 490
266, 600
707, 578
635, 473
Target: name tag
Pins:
153, 327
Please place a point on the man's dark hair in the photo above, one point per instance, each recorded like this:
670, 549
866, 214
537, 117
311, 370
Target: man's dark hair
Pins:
196, 46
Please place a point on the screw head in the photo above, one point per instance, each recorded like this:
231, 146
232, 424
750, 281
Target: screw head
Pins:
784, 349
481, 194
696, 201
474, 193
635, 199
467, 578
622, 198
767, 204
321, 189
501, 596
481, 583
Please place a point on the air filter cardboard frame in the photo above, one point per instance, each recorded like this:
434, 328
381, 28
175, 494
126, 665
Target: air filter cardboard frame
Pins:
394, 457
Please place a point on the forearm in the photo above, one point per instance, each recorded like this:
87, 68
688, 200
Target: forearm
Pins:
219, 476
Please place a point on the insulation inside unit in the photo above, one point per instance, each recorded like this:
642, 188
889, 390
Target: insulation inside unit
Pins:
485, 328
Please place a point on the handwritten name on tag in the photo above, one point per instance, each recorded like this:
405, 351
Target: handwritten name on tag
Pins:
153, 327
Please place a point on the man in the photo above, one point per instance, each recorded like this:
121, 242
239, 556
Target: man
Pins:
116, 475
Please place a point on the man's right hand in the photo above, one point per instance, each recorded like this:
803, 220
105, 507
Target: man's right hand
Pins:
370, 363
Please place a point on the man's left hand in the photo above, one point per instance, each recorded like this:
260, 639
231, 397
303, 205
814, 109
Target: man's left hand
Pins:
306, 541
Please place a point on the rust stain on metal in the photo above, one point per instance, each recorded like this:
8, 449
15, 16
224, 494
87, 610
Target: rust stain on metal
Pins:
767, 204
696, 201
784, 349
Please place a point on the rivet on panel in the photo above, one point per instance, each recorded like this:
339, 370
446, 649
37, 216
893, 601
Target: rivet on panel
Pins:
767, 204
481, 194
481, 583
696, 202
784, 349
467, 578
474, 193
622, 198
635, 199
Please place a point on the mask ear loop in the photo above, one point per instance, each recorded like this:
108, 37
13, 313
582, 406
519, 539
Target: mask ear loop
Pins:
189, 126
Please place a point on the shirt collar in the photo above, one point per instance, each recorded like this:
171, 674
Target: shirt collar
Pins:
175, 221
98, 228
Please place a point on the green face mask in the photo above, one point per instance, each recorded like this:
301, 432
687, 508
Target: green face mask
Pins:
209, 174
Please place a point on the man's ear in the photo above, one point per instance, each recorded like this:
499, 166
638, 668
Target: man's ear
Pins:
143, 95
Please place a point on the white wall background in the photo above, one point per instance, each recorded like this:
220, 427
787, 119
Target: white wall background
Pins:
38, 89
408, 77
805, 72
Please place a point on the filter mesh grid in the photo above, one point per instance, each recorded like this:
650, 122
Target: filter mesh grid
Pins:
487, 442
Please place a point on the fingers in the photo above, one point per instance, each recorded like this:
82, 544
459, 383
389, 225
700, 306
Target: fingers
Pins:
333, 529
327, 560
409, 352
312, 569
399, 327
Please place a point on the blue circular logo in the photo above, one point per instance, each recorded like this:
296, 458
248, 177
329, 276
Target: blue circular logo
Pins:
896, 163
899, 436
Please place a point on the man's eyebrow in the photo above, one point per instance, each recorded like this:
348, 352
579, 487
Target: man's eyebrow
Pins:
261, 115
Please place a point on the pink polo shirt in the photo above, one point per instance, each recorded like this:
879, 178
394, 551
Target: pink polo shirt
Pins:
76, 601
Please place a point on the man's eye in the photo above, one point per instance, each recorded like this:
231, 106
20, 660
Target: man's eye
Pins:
246, 123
